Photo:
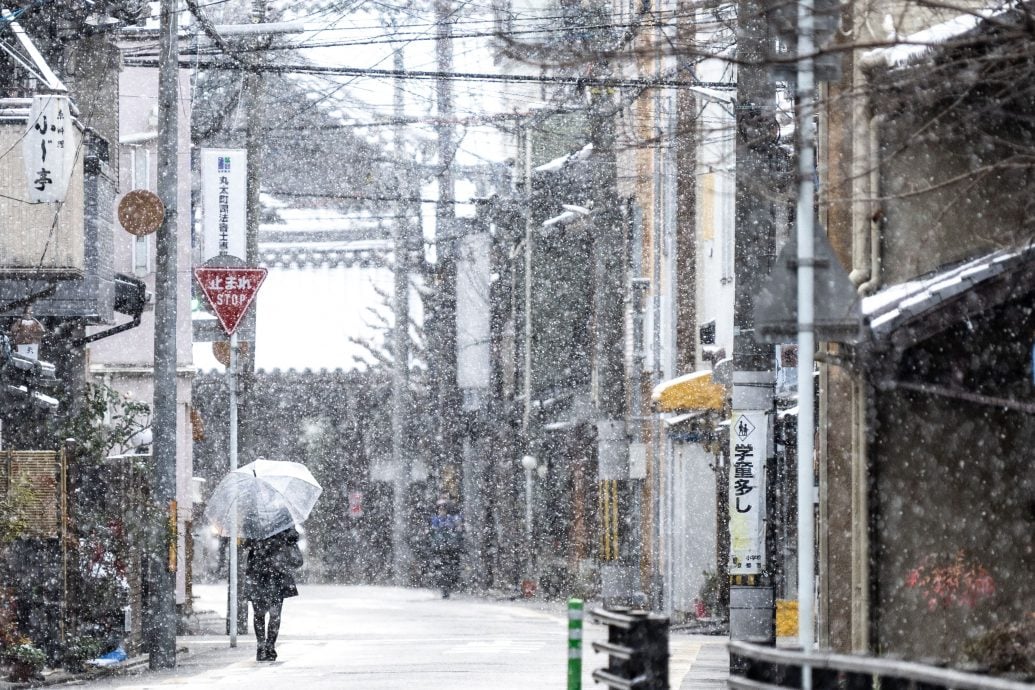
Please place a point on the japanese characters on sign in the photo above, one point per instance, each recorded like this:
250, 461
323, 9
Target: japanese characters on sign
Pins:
230, 291
748, 451
224, 198
48, 149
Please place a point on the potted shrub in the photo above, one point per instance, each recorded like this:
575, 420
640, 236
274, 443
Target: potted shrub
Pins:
1006, 648
79, 650
27, 660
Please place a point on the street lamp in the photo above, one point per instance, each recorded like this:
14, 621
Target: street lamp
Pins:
529, 463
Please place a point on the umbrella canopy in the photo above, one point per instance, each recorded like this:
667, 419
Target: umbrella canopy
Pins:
269, 496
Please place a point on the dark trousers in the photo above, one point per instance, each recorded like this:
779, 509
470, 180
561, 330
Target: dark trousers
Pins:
447, 567
267, 634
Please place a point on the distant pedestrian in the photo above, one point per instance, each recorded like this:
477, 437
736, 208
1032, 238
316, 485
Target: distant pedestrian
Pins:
447, 541
268, 581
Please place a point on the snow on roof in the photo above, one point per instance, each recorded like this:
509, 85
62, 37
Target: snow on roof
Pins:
560, 219
571, 212
558, 163
896, 303
920, 44
729, 96
680, 418
685, 378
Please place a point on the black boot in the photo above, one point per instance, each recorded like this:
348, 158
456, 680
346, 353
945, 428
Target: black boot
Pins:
260, 647
271, 652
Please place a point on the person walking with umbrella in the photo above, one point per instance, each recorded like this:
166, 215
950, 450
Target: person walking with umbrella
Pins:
268, 581
263, 502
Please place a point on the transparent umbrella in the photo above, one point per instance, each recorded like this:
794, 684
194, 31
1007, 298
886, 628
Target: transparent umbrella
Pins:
268, 495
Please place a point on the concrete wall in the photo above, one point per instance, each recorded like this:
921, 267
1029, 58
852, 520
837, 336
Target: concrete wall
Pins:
931, 505
941, 204
954, 493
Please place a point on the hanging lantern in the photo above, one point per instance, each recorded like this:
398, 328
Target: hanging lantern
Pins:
27, 335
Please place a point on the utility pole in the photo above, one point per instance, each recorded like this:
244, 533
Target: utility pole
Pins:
619, 568
445, 239
161, 557
254, 144
751, 447
402, 558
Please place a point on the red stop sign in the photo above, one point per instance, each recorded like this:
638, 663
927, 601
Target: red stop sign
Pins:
230, 291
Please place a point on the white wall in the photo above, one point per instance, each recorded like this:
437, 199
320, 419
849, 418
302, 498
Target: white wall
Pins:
716, 159
691, 549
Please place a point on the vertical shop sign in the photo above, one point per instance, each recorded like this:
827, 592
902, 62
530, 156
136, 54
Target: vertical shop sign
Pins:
48, 149
748, 452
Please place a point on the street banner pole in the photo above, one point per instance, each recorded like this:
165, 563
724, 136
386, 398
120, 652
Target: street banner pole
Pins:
231, 379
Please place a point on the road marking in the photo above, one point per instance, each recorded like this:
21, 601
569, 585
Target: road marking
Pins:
497, 647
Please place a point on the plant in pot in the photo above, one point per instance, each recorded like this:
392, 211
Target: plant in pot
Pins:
27, 660
79, 650
1008, 647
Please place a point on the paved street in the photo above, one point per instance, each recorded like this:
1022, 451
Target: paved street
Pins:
375, 638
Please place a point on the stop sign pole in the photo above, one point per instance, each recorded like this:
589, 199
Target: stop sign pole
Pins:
230, 291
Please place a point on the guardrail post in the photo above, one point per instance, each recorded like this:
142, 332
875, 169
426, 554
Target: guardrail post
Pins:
637, 649
655, 651
574, 644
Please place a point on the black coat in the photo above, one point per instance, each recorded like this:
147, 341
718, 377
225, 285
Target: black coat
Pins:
267, 580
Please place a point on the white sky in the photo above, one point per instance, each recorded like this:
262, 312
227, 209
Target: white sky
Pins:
306, 317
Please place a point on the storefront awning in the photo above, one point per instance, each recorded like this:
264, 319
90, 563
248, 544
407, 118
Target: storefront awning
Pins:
694, 391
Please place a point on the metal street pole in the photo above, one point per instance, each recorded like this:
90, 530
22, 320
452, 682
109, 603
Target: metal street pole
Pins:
231, 380
806, 334
161, 632
528, 462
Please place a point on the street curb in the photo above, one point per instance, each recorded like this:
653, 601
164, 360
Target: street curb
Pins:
62, 677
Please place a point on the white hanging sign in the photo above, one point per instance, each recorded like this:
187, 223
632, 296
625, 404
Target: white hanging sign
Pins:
224, 200
48, 149
748, 451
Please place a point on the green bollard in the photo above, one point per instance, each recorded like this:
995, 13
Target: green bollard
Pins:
574, 644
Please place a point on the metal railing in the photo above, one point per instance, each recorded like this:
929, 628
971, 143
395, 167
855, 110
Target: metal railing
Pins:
755, 667
637, 649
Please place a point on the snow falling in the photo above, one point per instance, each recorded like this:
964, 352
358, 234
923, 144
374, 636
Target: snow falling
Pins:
716, 314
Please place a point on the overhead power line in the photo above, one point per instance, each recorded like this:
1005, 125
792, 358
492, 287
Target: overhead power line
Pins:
361, 197
460, 76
